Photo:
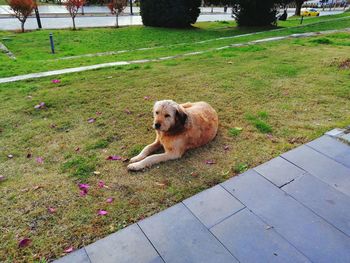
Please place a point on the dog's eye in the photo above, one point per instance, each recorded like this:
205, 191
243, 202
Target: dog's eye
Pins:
167, 115
157, 112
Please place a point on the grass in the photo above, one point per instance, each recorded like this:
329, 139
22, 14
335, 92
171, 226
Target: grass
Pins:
256, 87
33, 51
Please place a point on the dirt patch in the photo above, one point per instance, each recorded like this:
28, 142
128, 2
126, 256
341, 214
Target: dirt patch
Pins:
345, 64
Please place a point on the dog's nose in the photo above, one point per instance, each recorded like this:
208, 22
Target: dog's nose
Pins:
157, 125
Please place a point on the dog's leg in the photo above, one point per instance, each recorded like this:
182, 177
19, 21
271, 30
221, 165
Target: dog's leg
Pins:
153, 159
146, 151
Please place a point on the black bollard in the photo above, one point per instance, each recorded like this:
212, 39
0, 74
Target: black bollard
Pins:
52, 44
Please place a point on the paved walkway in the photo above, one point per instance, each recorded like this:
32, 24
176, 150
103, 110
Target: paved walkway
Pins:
294, 208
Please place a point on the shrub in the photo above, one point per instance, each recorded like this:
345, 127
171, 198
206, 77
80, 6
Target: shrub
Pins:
255, 12
170, 13
22, 9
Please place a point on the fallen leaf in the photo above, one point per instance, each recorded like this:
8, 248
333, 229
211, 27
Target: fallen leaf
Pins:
127, 111
102, 212
39, 160
91, 120
124, 160
230, 62
97, 173
77, 149
37, 187
29, 155
194, 174
239, 128
146, 97
55, 81
110, 200
160, 184
114, 158
226, 147
53, 125
69, 250
24, 242
98, 113
210, 162
51, 210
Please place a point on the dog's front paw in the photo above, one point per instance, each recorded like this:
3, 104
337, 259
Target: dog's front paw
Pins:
135, 159
135, 167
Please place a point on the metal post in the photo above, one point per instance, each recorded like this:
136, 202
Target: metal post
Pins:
131, 8
301, 20
52, 44
38, 17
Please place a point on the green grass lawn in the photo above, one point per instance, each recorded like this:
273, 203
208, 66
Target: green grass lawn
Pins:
270, 98
32, 49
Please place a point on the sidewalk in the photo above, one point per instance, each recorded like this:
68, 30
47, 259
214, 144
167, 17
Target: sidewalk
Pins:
294, 208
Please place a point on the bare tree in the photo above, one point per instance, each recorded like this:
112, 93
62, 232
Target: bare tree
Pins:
116, 7
73, 8
22, 9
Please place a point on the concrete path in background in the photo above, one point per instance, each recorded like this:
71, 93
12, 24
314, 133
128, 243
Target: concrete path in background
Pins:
122, 63
294, 208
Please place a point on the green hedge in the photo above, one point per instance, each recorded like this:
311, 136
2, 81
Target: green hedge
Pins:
170, 13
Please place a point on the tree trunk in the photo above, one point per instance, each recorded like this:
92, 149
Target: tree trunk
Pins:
22, 26
298, 5
116, 20
73, 17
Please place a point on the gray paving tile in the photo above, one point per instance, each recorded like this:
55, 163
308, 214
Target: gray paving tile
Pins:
125, 246
323, 199
213, 205
180, 237
279, 171
324, 168
251, 240
332, 148
78, 256
335, 132
309, 233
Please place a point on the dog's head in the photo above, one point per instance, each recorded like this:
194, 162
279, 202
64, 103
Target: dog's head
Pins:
168, 116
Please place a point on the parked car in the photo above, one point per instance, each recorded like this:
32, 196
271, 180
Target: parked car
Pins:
309, 12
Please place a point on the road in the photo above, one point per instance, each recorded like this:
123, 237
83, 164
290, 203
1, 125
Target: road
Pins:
55, 17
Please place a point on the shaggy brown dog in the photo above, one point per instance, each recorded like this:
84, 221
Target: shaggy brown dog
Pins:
178, 128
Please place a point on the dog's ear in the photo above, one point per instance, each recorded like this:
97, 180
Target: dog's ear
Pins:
181, 116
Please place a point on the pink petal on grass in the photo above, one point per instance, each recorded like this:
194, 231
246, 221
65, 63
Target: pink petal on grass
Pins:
40, 105
110, 200
146, 97
24, 242
226, 148
69, 250
39, 160
83, 192
83, 186
51, 210
91, 120
102, 212
55, 81
210, 162
114, 158
2, 178
101, 184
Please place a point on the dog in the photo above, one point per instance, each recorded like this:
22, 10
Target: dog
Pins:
179, 127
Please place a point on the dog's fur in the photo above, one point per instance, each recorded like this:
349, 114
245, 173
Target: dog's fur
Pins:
178, 128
